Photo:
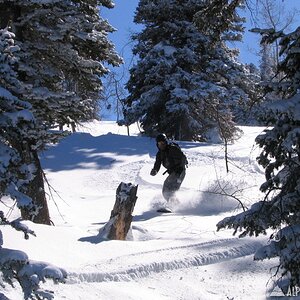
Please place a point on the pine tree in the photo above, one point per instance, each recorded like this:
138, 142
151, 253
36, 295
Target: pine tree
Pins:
274, 15
221, 23
63, 46
19, 130
16, 120
16, 123
187, 80
267, 63
280, 157
163, 85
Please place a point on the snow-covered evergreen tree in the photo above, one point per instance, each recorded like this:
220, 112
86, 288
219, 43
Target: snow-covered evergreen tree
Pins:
163, 85
185, 77
280, 157
267, 63
63, 48
16, 123
222, 24
249, 110
16, 120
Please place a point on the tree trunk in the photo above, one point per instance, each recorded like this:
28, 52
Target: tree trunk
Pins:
121, 215
36, 191
35, 188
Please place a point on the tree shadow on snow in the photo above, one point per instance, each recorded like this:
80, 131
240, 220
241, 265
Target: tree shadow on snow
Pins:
84, 151
147, 215
93, 239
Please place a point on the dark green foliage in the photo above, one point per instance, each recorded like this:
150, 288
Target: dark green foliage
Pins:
280, 157
187, 82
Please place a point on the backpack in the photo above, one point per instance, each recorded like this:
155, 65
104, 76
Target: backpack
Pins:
184, 158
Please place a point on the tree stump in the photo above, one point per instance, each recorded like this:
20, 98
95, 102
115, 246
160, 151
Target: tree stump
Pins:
121, 216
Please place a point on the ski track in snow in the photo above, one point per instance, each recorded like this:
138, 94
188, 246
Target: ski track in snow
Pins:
127, 268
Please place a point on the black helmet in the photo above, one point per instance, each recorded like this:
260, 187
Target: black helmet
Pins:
161, 138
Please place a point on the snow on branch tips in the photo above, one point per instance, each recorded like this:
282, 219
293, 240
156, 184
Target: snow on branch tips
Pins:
16, 266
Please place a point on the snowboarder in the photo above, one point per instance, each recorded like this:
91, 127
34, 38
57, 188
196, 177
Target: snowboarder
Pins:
173, 159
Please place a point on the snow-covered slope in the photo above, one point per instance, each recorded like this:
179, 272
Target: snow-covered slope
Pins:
166, 256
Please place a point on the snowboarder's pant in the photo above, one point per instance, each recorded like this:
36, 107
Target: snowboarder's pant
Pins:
172, 184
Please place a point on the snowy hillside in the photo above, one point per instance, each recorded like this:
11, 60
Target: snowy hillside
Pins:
166, 256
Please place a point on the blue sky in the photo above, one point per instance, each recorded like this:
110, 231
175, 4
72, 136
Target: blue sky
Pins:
121, 17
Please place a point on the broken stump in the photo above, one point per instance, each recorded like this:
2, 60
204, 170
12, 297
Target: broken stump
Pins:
121, 216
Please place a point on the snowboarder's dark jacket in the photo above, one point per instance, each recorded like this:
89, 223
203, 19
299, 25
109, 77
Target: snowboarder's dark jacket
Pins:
172, 158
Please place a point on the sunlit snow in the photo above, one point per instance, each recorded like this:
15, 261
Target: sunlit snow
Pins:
166, 256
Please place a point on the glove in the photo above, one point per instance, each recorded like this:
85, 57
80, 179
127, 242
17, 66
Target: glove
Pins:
153, 172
